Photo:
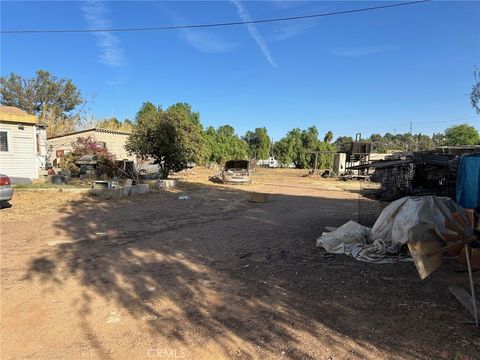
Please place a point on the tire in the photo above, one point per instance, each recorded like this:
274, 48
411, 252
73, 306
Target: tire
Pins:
5, 204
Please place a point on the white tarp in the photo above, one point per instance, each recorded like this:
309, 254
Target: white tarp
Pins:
417, 218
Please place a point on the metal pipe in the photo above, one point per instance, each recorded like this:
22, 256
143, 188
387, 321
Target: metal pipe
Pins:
472, 286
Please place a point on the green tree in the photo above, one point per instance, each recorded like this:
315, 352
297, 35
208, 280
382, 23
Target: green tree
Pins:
424, 142
297, 147
328, 137
258, 143
378, 143
438, 139
56, 101
115, 124
146, 112
289, 149
168, 136
186, 108
401, 142
325, 160
475, 92
342, 143
223, 144
461, 135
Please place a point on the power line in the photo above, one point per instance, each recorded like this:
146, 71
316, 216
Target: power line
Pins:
424, 124
406, 128
449, 121
195, 26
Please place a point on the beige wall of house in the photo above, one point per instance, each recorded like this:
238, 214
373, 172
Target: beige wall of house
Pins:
114, 141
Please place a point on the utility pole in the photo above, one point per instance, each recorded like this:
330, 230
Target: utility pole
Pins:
410, 140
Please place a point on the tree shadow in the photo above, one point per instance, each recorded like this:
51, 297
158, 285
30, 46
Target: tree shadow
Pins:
246, 276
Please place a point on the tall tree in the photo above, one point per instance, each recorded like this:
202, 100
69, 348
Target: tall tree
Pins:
461, 135
438, 139
343, 143
223, 144
55, 101
168, 136
186, 109
297, 147
475, 92
328, 137
115, 124
146, 112
424, 142
258, 143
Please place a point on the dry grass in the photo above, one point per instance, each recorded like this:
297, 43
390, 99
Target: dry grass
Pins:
27, 205
30, 204
263, 178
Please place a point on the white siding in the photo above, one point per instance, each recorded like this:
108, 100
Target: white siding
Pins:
20, 162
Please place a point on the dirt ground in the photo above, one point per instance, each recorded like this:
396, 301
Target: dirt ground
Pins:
213, 277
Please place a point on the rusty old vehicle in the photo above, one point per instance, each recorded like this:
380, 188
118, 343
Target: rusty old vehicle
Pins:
237, 172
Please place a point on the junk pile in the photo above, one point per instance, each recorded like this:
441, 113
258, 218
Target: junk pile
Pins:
429, 226
419, 173
88, 165
409, 219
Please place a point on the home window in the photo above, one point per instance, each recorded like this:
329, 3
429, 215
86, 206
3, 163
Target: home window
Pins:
4, 144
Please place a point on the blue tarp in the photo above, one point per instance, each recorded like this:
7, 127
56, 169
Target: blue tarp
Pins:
468, 182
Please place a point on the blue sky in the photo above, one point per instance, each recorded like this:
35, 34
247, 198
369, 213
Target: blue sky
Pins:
365, 72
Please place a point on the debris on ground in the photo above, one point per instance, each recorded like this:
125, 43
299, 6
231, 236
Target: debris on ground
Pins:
432, 172
406, 219
258, 197
216, 178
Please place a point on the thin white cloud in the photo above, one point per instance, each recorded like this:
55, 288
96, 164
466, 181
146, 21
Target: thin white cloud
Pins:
96, 15
252, 29
290, 31
287, 4
117, 82
200, 39
206, 41
362, 51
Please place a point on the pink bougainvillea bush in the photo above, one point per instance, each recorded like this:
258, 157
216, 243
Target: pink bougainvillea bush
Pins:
88, 146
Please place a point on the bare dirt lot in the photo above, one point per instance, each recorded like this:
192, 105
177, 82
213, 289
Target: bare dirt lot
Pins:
215, 276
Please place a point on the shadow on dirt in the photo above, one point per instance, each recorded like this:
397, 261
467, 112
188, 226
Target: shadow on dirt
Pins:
222, 268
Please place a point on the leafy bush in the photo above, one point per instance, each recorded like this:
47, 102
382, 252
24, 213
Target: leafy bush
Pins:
88, 146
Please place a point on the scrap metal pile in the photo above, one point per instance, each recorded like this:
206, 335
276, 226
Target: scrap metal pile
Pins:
432, 172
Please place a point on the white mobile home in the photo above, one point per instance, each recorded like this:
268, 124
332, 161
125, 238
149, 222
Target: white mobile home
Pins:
23, 145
